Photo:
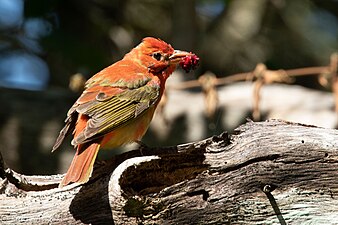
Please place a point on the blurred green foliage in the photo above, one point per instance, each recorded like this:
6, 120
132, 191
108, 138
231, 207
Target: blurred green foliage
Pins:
229, 35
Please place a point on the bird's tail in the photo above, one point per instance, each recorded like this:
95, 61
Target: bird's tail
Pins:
81, 167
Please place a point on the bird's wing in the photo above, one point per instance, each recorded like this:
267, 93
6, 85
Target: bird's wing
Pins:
113, 108
112, 98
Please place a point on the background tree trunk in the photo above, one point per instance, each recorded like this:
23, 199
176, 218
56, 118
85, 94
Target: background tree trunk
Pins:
271, 172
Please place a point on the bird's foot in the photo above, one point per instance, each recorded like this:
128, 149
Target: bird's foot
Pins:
142, 146
100, 163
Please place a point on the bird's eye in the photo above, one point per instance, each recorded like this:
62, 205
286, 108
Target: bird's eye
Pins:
157, 56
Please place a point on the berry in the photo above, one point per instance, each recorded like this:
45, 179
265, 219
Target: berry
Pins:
189, 62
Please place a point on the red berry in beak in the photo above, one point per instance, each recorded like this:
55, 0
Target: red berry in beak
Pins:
189, 62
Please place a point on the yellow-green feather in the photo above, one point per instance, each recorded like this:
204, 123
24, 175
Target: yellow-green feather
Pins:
114, 112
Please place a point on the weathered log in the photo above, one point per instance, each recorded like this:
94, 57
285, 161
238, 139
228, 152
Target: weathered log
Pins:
271, 172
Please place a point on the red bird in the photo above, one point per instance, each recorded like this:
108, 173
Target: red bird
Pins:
118, 103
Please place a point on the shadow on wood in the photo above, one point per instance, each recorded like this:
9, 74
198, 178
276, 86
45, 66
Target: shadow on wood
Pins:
271, 172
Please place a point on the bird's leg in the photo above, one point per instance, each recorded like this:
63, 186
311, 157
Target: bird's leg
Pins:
100, 163
142, 146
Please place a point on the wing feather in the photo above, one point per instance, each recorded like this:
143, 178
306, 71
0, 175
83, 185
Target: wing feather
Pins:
111, 99
115, 111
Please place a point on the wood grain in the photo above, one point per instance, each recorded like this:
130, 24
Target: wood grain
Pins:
271, 172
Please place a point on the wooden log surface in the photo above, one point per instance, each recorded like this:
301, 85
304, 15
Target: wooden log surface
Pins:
271, 172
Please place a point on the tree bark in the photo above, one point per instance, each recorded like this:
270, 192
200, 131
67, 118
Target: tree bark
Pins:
271, 172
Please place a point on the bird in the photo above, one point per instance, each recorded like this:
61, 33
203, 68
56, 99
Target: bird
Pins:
118, 103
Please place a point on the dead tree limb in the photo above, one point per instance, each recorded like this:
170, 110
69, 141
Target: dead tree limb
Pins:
271, 172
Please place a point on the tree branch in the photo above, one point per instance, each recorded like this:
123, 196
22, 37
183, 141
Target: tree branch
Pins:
271, 172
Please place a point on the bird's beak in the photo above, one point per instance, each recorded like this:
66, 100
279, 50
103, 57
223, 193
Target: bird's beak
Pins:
178, 56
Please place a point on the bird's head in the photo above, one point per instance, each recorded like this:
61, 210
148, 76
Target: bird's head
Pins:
160, 58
